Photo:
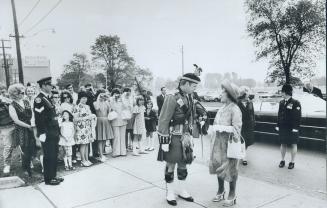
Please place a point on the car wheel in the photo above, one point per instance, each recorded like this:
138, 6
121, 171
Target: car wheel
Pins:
216, 100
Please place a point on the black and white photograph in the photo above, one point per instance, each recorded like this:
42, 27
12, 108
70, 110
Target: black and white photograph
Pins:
163, 103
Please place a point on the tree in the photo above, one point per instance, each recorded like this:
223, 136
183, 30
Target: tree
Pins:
75, 71
291, 34
119, 64
100, 80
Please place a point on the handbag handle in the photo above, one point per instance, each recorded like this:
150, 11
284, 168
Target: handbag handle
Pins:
239, 134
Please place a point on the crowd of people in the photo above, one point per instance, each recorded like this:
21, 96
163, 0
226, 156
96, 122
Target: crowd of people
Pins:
84, 124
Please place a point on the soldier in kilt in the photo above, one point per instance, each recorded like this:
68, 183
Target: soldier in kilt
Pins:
175, 135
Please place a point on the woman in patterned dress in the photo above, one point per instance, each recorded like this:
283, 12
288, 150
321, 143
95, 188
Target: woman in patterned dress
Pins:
21, 113
227, 126
84, 122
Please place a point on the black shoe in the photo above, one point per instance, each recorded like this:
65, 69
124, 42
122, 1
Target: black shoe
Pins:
244, 162
52, 182
59, 179
291, 165
189, 199
172, 202
282, 164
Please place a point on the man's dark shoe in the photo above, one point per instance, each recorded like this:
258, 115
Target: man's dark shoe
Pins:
172, 202
52, 182
282, 164
291, 165
189, 199
59, 179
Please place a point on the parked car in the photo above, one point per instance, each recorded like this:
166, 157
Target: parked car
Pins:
211, 97
313, 121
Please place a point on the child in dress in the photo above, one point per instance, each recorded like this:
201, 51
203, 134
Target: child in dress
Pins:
150, 125
139, 125
67, 132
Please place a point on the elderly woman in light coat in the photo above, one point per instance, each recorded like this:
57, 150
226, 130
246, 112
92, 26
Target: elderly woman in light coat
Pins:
227, 126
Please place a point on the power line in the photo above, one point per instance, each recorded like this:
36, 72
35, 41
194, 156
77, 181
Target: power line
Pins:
45, 16
29, 13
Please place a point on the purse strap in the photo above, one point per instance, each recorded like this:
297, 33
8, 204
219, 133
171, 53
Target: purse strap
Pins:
238, 133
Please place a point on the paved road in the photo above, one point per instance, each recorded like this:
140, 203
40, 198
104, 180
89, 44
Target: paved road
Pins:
309, 175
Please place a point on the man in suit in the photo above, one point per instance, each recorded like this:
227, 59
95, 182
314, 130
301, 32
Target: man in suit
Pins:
70, 89
309, 88
288, 124
161, 99
48, 131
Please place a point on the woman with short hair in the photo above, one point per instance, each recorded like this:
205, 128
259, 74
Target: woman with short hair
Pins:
21, 113
227, 126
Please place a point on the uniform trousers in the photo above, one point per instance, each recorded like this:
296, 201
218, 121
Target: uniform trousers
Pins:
50, 150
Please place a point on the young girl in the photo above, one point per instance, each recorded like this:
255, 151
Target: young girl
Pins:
139, 125
67, 138
150, 125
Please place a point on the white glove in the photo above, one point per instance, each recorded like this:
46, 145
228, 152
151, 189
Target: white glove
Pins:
222, 128
42, 138
165, 147
211, 131
295, 130
277, 128
202, 123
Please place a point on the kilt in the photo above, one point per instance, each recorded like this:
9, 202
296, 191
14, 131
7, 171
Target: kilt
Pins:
286, 136
175, 153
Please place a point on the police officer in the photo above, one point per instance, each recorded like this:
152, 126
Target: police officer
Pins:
288, 125
47, 126
175, 127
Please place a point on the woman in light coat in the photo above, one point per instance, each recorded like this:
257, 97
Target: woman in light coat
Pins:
227, 126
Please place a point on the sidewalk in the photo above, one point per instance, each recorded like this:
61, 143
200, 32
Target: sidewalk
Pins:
138, 182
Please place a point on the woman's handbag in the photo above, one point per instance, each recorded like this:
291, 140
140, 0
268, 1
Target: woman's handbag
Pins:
112, 115
236, 150
126, 115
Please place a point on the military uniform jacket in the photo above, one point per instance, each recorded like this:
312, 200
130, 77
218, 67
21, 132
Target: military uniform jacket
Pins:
177, 115
289, 114
46, 120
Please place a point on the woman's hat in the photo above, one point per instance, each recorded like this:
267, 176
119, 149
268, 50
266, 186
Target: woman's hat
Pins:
244, 90
231, 89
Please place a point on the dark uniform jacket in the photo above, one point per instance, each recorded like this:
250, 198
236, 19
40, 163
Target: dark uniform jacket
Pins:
160, 101
46, 120
179, 117
289, 114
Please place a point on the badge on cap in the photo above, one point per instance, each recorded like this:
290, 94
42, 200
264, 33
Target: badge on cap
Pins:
38, 100
298, 108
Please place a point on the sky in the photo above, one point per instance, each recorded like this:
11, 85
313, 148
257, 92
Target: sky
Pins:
213, 33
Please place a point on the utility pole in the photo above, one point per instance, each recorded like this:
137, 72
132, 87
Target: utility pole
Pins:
182, 60
19, 56
5, 63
